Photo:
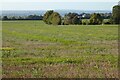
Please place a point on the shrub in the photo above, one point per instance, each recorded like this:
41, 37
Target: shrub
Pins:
107, 22
85, 22
5, 18
76, 20
51, 17
72, 18
96, 19
55, 18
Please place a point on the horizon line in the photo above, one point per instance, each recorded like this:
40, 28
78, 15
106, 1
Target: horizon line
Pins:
51, 9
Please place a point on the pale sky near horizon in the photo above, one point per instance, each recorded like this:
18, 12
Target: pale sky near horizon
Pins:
58, 4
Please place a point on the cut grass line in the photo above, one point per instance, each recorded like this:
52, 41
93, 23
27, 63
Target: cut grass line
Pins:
52, 60
7, 48
44, 60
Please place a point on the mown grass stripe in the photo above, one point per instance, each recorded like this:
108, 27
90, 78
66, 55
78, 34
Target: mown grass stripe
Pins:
44, 60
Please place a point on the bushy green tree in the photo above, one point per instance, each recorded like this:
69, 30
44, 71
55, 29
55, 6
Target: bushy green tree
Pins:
107, 21
85, 22
96, 18
34, 17
55, 18
116, 14
13, 18
76, 20
5, 18
51, 17
47, 17
72, 18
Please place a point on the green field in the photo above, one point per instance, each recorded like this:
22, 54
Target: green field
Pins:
33, 49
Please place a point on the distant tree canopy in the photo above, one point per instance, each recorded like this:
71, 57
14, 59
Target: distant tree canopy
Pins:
5, 18
34, 17
72, 18
51, 17
116, 14
96, 18
29, 17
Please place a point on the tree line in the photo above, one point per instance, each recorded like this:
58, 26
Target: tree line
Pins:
51, 17
30, 17
37, 17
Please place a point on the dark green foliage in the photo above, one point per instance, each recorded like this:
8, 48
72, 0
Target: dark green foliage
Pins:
46, 17
96, 19
13, 18
0, 18
5, 18
116, 14
76, 20
107, 22
72, 18
84, 23
34, 17
20, 18
29, 17
51, 17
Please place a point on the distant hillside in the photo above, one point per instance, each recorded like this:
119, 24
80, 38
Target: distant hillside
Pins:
41, 12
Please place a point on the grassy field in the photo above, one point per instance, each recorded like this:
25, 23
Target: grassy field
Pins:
32, 49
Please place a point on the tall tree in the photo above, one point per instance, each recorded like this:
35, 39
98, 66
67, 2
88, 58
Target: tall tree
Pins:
116, 14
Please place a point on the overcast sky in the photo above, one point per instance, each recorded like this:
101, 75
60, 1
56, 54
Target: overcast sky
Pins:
58, 4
